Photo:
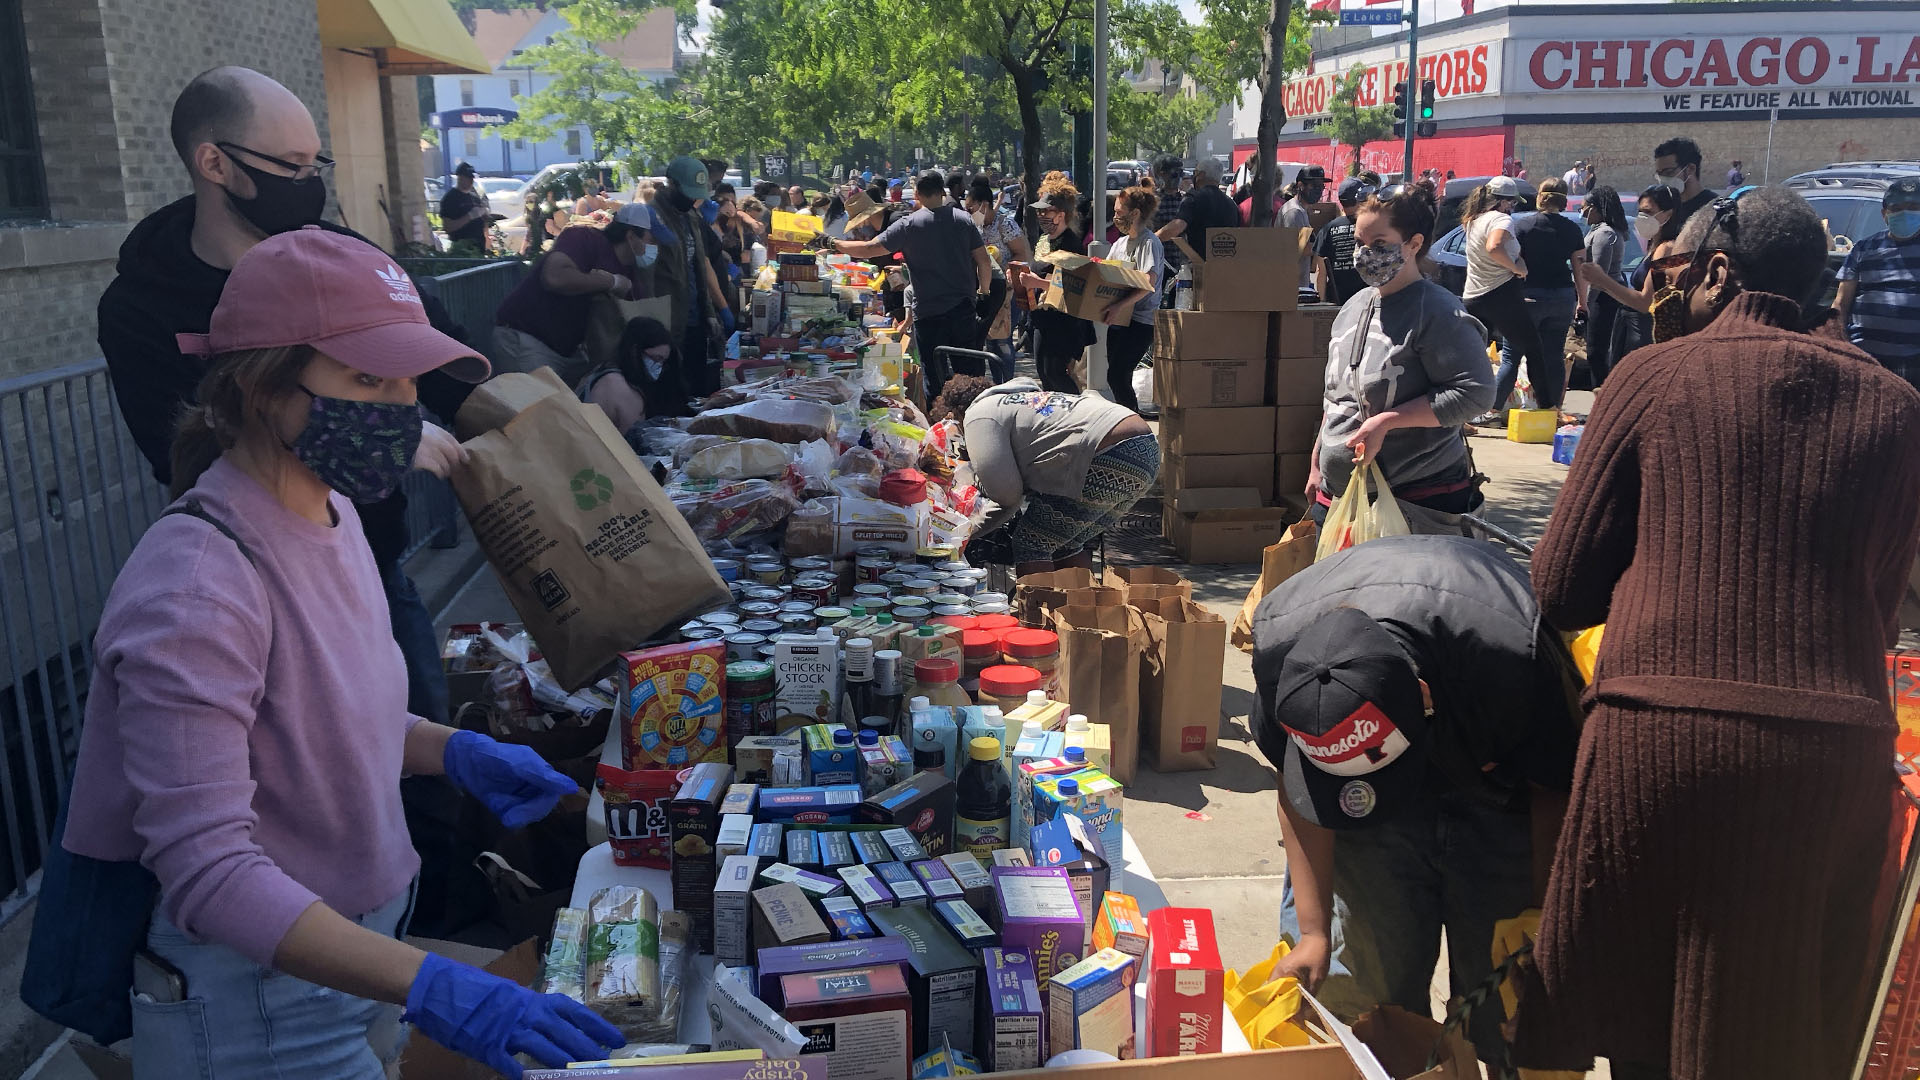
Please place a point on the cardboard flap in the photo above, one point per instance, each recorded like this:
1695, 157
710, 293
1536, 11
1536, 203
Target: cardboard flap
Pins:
1176, 609
1274, 244
1067, 260
1121, 577
498, 400
1195, 500
1073, 577
1111, 619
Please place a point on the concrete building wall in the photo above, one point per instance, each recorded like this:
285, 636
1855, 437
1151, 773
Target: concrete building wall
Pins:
359, 140
1623, 152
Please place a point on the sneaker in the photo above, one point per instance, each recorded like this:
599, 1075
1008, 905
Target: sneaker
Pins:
1489, 419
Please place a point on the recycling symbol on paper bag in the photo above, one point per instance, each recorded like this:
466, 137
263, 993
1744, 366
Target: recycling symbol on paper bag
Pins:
590, 489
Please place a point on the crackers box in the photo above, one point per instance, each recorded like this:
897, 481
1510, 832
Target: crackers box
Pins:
826, 956
693, 822
1121, 926
1186, 984
816, 886
945, 976
869, 847
810, 805
1089, 1006
672, 709
836, 850
782, 916
859, 1019
1011, 1033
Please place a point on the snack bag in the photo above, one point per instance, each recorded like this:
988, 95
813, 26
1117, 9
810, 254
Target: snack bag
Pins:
636, 811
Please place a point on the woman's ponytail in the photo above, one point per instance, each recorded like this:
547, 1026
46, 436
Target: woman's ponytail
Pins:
236, 391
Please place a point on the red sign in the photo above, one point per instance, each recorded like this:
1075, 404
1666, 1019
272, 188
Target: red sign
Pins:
1455, 73
1719, 62
1468, 153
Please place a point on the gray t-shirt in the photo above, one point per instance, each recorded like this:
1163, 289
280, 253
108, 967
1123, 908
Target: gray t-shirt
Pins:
1389, 350
1604, 248
939, 246
1150, 258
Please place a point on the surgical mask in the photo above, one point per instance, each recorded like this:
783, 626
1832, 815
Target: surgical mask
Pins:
1377, 266
647, 255
1904, 224
360, 449
1646, 227
655, 365
1675, 179
280, 204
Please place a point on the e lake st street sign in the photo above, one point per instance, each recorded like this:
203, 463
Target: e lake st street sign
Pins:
1370, 17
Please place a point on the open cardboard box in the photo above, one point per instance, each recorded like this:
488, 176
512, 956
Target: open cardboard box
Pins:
1224, 525
1085, 287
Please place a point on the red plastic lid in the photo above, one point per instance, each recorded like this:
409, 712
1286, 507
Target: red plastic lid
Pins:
962, 623
904, 487
1009, 680
937, 669
1030, 642
997, 623
977, 643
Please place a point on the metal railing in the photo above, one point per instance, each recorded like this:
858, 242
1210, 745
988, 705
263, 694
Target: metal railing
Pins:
78, 496
473, 294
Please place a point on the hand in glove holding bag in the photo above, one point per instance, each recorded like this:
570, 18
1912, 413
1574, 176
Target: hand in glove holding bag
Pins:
490, 1019
513, 781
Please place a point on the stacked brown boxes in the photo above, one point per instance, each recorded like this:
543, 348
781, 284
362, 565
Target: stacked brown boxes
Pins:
1296, 380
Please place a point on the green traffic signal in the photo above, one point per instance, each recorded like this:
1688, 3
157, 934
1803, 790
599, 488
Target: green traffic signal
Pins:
1426, 99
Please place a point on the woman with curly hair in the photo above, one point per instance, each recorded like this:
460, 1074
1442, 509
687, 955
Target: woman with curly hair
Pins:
1078, 462
1060, 337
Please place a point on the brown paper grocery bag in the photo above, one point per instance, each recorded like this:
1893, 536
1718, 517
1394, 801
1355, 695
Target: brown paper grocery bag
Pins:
607, 319
1099, 671
1146, 582
1037, 595
1404, 1041
1289, 555
591, 552
1180, 683
498, 400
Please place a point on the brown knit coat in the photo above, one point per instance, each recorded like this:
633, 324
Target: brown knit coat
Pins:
1742, 514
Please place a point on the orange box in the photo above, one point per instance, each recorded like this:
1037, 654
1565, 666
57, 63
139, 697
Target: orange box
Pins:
1121, 926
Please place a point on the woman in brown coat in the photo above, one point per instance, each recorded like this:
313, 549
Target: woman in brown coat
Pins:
1742, 514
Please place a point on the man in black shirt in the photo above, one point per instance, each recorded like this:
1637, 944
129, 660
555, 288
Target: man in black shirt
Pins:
1338, 280
1205, 207
463, 210
1676, 163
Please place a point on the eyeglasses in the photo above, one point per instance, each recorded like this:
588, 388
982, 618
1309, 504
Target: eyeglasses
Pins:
320, 167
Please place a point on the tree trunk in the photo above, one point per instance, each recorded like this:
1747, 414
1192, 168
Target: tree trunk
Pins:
1031, 137
1273, 108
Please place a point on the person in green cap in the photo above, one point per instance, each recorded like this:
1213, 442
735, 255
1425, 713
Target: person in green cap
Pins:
686, 276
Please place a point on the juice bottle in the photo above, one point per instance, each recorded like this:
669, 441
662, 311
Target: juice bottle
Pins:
984, 809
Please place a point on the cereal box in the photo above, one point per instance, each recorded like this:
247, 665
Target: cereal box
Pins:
672, 705
1089, 1006
1186, 984
1009, 1034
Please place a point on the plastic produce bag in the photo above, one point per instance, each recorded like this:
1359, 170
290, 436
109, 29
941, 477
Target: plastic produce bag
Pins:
813, 467
1354, 518
1143, 384
781, 421
738, 459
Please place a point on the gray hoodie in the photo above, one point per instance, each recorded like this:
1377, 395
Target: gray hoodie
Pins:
1023, 439
1421, 343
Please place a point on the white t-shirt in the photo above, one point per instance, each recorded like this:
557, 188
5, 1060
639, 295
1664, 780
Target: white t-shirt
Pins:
1483, 274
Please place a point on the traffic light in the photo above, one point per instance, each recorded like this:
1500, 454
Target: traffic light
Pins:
1400, 104
1426, 99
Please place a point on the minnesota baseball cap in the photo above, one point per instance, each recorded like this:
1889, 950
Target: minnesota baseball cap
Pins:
339, 294
1347, 725
1505, 187
636, 214
1905, 189
689, 173
1353, 190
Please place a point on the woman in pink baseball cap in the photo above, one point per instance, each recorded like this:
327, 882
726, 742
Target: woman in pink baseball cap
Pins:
247, 726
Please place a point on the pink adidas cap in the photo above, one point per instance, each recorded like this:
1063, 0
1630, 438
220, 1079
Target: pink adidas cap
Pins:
340, 295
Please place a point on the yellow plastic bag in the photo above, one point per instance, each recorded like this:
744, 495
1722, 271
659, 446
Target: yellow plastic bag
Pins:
1354, 518
1264, 1006
1586, 649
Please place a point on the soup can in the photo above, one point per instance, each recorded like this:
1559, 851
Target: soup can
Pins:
744, 646
750, 697
764, 593
948, 609
954, 566
763, 627
767, 571
990, 608
720, 618
815, 589
758, 609
985, 597
868, 568
948, 599
798, 622
701, 632
728, 569
964, 584
873, 551
766, 652
831, 614
913, 609
689, 627
791, 606
933, 556
919, 586
895, 579
872, 590
812, 564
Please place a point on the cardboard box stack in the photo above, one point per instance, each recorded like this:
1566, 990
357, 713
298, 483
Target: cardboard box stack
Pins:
1239, 382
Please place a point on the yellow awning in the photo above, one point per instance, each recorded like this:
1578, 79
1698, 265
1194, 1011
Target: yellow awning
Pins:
421, 37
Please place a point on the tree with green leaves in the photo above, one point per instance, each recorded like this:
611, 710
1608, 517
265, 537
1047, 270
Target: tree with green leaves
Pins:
1352, 124
1262, 42
1149, 124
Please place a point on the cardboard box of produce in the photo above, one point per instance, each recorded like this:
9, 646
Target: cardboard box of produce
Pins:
1208, 384
1296, 428
1250, 269
1304, 332
1297, 380
1210, 335
1218, 470
1083, 287
1224, 525
1188, 432
1290, 477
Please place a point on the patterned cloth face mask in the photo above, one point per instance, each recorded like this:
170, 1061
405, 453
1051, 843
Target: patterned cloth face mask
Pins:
360, 449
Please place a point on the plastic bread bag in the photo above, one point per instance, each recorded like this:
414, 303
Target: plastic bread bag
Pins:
813, 465
744, 1022
623, 957
738, 459
676, 957
732, 511
564, 969
783, 421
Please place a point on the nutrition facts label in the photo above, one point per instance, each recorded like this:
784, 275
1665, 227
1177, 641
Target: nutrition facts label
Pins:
1016, 1043
949, 1008
865, 1046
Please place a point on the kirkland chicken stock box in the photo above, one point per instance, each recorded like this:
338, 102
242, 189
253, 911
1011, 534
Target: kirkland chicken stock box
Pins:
1186, 984
946, 976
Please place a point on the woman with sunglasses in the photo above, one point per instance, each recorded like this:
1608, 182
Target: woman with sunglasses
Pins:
1060, 337
1655, 222
1741, 515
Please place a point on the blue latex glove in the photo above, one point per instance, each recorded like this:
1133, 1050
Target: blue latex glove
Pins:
514, 781
490, 1019
726, 320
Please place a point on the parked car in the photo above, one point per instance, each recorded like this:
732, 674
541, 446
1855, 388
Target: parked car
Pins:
1447, 214
740, 179
1847, 196
504, 193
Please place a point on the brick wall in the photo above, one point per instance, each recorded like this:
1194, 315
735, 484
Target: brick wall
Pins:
46, 315
1623, 152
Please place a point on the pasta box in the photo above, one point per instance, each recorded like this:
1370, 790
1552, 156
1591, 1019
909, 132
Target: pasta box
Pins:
832, 805
1186, 984
1063, 842
944, 975
1089, 1006
859, 1019
1040, 916
782, 915
827, 956
1011, 1033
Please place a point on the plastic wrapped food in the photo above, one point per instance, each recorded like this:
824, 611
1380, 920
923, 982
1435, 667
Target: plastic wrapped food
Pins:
813, 464
623, 957
738, 459
784, 421
564, 970
742, 1021
676, 960
735, 510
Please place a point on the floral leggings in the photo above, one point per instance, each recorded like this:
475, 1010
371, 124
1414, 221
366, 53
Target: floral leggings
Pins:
1054, 525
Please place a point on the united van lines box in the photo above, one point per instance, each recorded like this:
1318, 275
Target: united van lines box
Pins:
1223, 525
1208, 384
1306, 332
1218, 470
1297, 380
1250, 269
1186, 984
1210, 335
1234, 430
859, 1019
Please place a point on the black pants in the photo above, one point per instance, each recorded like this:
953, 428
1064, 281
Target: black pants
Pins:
1504, 311
1126, 344
1061, 339
1602, 311
958, 328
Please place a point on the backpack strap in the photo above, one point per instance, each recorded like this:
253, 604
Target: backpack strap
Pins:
193, 508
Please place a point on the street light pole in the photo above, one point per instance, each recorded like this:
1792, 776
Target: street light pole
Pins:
1099, 170
1413, 88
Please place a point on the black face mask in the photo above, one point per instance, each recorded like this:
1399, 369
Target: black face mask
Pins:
280, 203
679, 200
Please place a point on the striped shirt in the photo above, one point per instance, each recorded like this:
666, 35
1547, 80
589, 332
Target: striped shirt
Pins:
1885, 317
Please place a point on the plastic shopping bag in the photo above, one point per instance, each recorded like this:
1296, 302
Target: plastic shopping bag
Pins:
1586, 650
1264, 1006
1354, 518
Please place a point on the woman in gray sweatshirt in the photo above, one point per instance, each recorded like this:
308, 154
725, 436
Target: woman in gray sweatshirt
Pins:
1406, 369
1078, 461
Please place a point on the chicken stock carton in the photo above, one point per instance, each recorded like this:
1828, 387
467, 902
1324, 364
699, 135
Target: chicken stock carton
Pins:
1095, 798
1089, 1006
1010, 1034
1186, 984
806, 678
1039, 916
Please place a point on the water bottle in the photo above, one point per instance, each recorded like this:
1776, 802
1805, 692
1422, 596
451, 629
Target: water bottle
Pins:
1183, 289
1565, 442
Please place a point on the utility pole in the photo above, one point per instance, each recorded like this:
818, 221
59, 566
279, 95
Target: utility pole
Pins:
1099, 174
1413, 82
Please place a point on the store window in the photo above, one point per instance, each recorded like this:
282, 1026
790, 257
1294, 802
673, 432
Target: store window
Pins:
513, 87
466, 93
23, 188
573, 142
470, 142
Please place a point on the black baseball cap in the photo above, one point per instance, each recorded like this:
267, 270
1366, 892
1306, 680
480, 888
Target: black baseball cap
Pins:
1312, 172
1905, 189
1345, 725
1354, 190
465, 168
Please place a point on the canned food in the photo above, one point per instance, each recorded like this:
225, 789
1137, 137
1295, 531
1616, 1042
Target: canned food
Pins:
831, 614
764, 593
913, 609
894, 579
985, 597
948, 599
758, 609
720, 618
689, 627
954, 566
791, 606
798, 622
989, 608
867, 568
872, 590
922, 587
763, 627
728, 569
949, 609
767, 571
701, 632
881, 554
766, 652
964, 584
933, 556
750, 697
744, 646
815, 589
812, 564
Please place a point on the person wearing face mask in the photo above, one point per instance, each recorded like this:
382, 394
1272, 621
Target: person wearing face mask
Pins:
1406, 368
543, 321
252, 155
643, 381
1005, 243
1605, 246
1129, 319
1739, 704
247, 724
1060, 337
1676, 164
464, 210
1334, 248
1655, 224
1496, 277
1308, 189
684, 272
1879, 299
1553, 250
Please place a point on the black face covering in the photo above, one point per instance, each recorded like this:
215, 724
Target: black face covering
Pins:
280, 203
680, 200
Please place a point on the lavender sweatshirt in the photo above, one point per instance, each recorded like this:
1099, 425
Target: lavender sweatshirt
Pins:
245, 724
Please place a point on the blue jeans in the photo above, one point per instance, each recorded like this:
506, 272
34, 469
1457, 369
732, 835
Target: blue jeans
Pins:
1447, 865
1551, 313
240, 1019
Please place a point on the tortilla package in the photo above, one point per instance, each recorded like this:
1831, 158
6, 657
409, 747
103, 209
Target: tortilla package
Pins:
575, 526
